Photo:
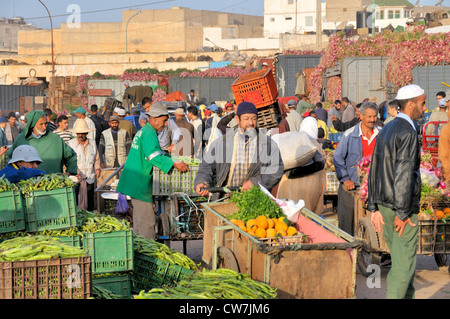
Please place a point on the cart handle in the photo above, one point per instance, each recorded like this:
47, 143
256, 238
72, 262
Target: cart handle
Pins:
221, 189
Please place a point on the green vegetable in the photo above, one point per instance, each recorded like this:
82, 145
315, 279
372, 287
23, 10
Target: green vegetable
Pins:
152, 248
37, 247
45, 183
93, 223
6, 185
213, 284
253, 203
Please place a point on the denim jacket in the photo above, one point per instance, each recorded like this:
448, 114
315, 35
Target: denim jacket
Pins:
348, 154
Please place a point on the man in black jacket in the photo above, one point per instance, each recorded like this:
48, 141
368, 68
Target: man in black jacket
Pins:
394, 190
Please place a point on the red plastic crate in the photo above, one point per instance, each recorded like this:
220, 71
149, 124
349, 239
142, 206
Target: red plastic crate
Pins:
258, 87
175, 96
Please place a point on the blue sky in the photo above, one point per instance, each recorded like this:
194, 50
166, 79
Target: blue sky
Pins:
111, 10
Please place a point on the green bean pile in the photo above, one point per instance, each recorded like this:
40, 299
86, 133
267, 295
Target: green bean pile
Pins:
45, 182
152, 248
37, 248
6, 185
94, 223
99, 292
213, 284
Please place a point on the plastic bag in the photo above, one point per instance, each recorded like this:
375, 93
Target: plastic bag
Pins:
122, 204
296, 148
429, 178
289, 208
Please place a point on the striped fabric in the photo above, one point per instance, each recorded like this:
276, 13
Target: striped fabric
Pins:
245, 149
66, 136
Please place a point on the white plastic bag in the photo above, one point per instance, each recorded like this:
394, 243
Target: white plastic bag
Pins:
289, 208
296, 148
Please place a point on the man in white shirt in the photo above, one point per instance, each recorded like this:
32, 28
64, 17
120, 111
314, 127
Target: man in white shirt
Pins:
80, 113
88, 161
194, 119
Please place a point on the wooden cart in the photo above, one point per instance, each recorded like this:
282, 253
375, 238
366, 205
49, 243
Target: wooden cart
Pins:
322, 268
433, 238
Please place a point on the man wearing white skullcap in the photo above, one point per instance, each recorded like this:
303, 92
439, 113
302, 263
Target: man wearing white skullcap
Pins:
394, 188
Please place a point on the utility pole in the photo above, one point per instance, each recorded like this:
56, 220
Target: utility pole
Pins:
52, 85
319, 24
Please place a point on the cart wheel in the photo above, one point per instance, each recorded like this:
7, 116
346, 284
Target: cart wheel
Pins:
365, 258
443, 262
226, 259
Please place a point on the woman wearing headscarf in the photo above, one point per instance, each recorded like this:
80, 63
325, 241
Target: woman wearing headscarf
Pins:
307, 182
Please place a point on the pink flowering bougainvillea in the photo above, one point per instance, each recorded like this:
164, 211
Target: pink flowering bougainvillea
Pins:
150, 75
404, 49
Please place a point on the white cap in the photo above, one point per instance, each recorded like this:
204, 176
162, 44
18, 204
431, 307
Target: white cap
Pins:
409, 92
119, 111
442, 102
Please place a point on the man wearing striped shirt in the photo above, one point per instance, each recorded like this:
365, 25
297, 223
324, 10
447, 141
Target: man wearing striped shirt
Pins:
63, 125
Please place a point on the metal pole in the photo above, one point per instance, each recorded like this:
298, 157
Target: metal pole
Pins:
53, 59
126, 30
319, 24
373, 18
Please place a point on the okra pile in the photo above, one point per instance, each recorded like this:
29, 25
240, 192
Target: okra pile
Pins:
6, 185
45, 182
213, 284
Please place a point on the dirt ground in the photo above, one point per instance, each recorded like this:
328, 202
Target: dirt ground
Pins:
430, 282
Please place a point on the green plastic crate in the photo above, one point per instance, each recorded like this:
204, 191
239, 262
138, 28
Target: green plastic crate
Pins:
51, 210
74, 241
167, 184
12, 215
119, 284
151, 273
110, 252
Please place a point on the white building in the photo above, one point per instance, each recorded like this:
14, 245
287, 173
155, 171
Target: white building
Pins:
392, 12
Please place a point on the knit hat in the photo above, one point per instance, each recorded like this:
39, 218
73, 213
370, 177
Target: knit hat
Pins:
246, 108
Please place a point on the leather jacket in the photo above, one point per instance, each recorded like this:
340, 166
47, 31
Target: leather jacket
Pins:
394, 178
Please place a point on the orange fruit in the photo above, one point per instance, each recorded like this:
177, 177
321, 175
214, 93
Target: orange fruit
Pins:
253, 228
440, 214
447, 210
271, 223
291, 231
251, 222
260, 232
281, 226
239, 223
243, 228
251, 232
282, 232
262, 223
283, 219
271, 232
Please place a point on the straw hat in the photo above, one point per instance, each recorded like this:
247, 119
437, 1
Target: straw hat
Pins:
81, 127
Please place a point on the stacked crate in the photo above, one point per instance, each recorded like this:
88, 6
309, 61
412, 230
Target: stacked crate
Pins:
64, 93
259, 88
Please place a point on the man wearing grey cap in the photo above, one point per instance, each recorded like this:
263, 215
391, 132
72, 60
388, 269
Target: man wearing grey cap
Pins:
293, 118
394, 189
136, 179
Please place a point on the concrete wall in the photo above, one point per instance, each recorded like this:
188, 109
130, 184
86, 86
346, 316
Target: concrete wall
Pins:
168, 30
215, 34
301, 42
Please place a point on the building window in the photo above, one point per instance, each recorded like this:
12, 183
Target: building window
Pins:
407, 13
390, 14
381, 15
397, 14
290, 1
272, 19
288, 18
309, 21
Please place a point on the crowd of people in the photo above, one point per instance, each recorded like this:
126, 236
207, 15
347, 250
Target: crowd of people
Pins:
234, 152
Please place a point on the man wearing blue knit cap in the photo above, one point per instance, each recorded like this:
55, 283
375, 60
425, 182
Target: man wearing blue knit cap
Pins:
243, 157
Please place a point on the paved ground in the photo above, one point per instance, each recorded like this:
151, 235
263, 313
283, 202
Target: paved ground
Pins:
430, 282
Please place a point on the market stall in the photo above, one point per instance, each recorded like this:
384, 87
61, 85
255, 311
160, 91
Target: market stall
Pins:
307, 259
434, 229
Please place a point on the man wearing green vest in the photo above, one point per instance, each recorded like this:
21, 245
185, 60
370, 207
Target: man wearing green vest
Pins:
52, 149
136, 179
